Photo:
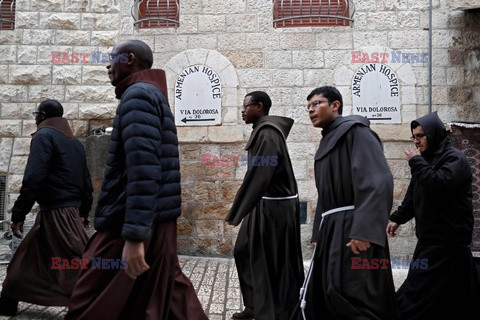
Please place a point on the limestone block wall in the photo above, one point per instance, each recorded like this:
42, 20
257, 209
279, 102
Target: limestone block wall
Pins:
29, 74
235, 38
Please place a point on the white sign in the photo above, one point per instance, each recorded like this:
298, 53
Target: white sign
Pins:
376, 94
198, 97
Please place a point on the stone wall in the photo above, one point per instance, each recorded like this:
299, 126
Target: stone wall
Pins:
236, 39
28, 76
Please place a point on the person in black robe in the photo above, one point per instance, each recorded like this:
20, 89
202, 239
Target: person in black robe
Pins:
441, 282
350, 276
267, 251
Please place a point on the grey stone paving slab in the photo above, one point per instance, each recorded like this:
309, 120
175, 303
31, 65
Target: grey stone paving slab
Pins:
215, 281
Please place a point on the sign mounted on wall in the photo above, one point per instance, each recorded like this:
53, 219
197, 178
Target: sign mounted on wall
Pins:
376, 94
198, 97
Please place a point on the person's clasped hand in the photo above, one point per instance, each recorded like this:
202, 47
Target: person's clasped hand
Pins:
391, 229
134, 254
17, 229
358, 245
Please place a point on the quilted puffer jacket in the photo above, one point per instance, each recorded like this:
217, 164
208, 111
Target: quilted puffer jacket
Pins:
142, 178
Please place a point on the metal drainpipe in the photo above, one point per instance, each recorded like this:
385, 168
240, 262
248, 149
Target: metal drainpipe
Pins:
430, 58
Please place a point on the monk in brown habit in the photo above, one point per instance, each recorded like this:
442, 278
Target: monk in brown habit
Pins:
133, 271
350, 275
57, 178
267, 251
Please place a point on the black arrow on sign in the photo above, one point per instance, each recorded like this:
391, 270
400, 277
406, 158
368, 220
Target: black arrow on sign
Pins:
184, 120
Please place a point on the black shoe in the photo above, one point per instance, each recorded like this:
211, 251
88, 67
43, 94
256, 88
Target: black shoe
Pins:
246, 314
8, 306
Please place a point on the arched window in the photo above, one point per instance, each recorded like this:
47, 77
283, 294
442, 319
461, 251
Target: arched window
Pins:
156, 14
312, 13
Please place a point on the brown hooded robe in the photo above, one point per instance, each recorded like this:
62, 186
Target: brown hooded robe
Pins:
268, 251
351, 170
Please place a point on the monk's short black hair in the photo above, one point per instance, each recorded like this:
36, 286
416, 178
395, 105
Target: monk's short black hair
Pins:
331, 93
263, 97
140, 50
51, 108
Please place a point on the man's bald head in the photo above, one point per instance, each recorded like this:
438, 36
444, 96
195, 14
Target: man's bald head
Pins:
49, 108
139, 49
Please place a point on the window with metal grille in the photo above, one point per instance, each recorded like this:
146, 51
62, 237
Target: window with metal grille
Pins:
7, 14
312, 13
156, 14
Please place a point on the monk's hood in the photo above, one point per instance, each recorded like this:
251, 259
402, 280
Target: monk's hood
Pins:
336, 130
346, 123
282, 124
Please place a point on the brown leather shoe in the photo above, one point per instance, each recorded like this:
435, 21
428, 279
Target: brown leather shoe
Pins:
246, 314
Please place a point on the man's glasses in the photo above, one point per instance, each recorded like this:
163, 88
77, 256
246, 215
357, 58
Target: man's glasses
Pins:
419, 136
37, 113
315, 104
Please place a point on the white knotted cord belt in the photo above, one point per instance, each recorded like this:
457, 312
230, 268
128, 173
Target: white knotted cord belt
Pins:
280, 198
303, 290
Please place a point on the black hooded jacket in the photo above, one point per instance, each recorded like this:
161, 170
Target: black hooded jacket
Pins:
440, 192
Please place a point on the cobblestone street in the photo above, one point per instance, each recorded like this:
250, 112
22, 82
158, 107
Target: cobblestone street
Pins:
215, 280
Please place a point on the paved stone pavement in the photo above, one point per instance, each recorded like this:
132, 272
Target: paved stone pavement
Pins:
214, 279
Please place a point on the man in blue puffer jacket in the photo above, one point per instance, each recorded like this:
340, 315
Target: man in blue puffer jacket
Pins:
138, 206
